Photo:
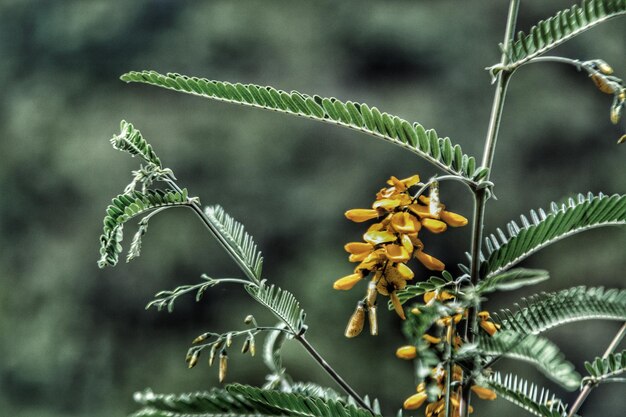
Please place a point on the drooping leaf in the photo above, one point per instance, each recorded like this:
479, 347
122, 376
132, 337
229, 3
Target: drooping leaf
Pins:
237, 239
563, 26
280, 302
547, 310
528, 396
585, 213
356, 116
296, 404
536, 350
512, 280
606, 369
126, 206
130, 140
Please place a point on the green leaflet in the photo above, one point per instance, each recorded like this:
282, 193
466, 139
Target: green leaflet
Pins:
536, 350
546, 310
296, 404
585, 213
528, 396
606, 369
357, 116
280, 302
130, 140
566, 24
126, 206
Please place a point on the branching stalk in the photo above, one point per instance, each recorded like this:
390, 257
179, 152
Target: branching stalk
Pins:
590, 385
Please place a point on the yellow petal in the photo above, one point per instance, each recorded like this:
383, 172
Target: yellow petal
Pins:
405, 271
386, 204
396, 253
406, 243
484, 315
423, 212
484, 393
347, 282
434, 226
453, 219
378, 237
397, 184
358, 247
397, 305
376, 227
415, 401
489, 327
429, 261
429, 295
358, 257
361, 215
404, 223
411, 181
407, 352
431, 339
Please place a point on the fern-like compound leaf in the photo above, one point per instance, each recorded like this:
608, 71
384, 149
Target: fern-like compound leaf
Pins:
584, 213
281, 303
528, 396
237, 238
433, 283
606, 369
547, 310
563, 26
361, 117
126, 206
130, 140
298, 405
512, 280
539, 351
213, 403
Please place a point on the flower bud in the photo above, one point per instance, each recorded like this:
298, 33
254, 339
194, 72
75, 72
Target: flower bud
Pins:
194, 359
355, 324
200, 338
223, 365
348, 281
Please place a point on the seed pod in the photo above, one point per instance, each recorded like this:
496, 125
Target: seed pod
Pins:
371, 294
223, 365
373, 320
355, 324
194, 359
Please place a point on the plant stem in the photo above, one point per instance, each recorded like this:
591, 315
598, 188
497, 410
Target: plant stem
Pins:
590, 385
333, 374
480, 195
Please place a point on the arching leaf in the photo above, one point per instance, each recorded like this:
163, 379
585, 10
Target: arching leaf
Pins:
585, 213
296, 404
237, 238
280, 302
528, 396
536, 350
512, 280
564, 25
606, 369
547, 310
126, 206
412, 137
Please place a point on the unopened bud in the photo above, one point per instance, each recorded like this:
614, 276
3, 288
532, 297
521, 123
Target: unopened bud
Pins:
373, 320
246, 346
249, 319
229, 339
223, 365
200, 338
603, 84
355, 324
194, 359
372, 292
603, 67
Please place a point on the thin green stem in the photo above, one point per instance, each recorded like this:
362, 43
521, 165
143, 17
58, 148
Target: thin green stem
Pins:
590, 385
448, 357
480, 195
558, 59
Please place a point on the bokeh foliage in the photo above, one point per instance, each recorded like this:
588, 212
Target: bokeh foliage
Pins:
76, 340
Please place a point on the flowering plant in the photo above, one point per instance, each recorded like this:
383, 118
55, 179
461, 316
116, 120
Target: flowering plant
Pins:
453, 343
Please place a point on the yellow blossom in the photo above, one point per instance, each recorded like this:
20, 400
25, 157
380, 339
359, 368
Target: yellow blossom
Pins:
378, 237
386, 204
407, 352
415, 401
434, 226
361, 215
347, 282
431, 339
397, 253
356, 248
429, 261
452, 219
405, 223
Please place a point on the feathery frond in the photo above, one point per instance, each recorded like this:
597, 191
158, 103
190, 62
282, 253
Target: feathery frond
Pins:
281, 303
566, 24
547, 310
433, 283
130, 140
606, 369
298, 405
413, 137
309, 389
512, 280
126, 206
528, 396
237, 238
213, 403
536, 350
543, 229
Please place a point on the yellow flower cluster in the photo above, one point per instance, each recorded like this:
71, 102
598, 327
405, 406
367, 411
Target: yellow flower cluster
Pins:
392, 242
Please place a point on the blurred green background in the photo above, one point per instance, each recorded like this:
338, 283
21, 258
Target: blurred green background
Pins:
76, 341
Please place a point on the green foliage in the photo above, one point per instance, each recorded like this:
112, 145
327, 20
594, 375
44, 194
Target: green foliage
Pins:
434, 283
536, 350
512, 280
361, 117
606, 369
561, 27
239, 241
296, 404
166, 299
544, 229
126, 206
281, 303
527, 395
547, 310
130, 140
